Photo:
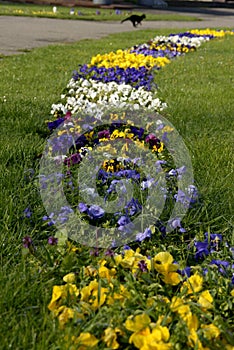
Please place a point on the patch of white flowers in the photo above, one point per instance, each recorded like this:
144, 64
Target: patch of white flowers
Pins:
94, 97
183, 40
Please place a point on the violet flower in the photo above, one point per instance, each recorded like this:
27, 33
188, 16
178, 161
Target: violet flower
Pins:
222, 265
27, 213
142, 236
142, 266
202, 249
52, 240
27, 242
133, 76
186, 272
133, 207
82, 207
95, 212
53, 125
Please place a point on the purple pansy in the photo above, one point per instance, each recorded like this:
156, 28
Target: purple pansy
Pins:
27, 213
133, 207
176, 224
146, 234
52, 240
95, 212
55, 123
222, 265
82, 207
186, 272
27, 241
201, 249
142, 266
136, 77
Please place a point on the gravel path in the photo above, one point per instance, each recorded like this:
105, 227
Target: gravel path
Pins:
20, 33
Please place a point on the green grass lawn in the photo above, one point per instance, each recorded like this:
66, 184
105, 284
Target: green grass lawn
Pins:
91, 14
199, 91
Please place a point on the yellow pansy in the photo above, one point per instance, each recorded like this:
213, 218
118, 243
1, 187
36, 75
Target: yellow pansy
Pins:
128, 259
131, 260
121, 134
110, 337
62, 132
163, 263
57, 294
150, 302
151, 340
128, 134
108, 148
193, 284
118, 258
194, 342
167, 128
172, 278
156, 149
210, 331
191, 321
71, 290
69, 278
138, 338
90, 270
86, 341
164, 319
94, 294
137, 323
89, 135
229, 347
160, 333
104, 272
60, 293
178, 305
65, 314
122, 295
205, 300
72, 248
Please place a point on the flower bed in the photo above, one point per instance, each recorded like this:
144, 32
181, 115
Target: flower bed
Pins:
133, 296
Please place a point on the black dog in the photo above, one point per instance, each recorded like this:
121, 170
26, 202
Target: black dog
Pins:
135, 19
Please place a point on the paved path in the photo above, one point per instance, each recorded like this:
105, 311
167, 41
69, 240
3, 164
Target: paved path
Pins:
20, 33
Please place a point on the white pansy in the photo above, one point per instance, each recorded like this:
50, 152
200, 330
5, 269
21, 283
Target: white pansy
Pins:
58, 108
184, 40
99, 96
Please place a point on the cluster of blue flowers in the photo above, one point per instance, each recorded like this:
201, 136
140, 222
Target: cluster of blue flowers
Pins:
61, 218
212, 244
191, 35
133, 76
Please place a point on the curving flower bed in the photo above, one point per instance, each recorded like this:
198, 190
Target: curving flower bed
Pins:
125, 298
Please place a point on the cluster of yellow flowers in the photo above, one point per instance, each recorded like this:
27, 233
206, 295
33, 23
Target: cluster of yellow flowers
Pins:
146, 334
18, 11
35, 13
217, 33
179, 47
124, 59
44, 13
72, 303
